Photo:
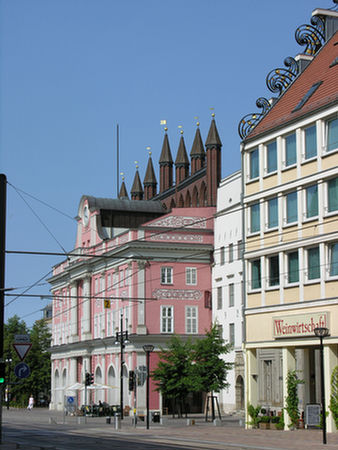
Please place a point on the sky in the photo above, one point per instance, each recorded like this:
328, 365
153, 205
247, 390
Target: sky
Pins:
71, 70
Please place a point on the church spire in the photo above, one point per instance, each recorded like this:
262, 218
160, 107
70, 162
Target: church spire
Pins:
181, 162
137, 190
166, 165
197, 153
150, 181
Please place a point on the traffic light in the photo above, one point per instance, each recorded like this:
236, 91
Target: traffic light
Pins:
131, 380
87, 382
2, 372
89, 379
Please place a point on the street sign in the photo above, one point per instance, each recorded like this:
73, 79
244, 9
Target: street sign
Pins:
22, 349
22, 345
107, 303
21, 370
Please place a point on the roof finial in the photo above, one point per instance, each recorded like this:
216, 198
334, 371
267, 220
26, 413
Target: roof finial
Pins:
164, 122
212, 114
181, 130
197, 123
149, 152
136, 164
122, 175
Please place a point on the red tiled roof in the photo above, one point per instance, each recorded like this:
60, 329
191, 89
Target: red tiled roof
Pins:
318, 70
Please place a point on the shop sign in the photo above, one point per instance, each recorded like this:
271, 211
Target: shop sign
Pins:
299, 325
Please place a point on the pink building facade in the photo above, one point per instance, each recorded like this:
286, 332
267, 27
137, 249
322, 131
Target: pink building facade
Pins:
153, 277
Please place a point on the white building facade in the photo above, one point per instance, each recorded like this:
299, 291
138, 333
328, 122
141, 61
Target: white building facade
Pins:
227, 284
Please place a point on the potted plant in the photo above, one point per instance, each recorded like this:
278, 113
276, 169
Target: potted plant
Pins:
264, 422
274, 422
292, 400
253, 413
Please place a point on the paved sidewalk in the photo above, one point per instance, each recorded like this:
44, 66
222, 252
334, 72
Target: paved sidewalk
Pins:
175, 431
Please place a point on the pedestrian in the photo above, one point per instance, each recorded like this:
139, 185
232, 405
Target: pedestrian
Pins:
30, 403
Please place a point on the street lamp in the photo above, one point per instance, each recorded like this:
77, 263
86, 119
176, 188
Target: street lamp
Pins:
322, 333
121, 339
148, 348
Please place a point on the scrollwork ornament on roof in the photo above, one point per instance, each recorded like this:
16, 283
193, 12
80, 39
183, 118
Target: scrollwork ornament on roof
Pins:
312, 36
279, 79
249, 121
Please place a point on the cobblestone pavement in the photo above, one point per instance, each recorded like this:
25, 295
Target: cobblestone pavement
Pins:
173, 433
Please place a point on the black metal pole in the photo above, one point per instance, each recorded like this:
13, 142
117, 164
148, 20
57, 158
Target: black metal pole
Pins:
148, 358
121, 368
3, 195
322, 389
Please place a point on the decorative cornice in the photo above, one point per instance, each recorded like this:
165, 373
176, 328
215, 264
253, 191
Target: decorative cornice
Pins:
177, 294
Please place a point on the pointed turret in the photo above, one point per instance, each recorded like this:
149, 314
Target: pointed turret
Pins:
166, 165
123, 195
182, 162
137, 190
213, 145
150, 182
197, 153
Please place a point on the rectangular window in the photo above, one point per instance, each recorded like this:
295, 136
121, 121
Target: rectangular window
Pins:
220, 330
291, 207
239, 250
191, 275
231, 253
290, 150
231, 294
313, 264
333, 255
166, 275
312, 201
232, 333
273, 212
293, 267
256, 274
255, 218
332, 193
191, 320
310, 142
332, 135
222, 251
219, 297
167, 319
254, 164
271, 155
274, 270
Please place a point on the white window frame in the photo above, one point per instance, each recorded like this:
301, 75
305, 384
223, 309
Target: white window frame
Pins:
232, 329
312, 280
167, 321
191, 320
285, 208
326, 135
285, 166
266, 159
231, 295
219, 298
268, 280
231, 252
166, 275
329, 250
191, 276
267, 203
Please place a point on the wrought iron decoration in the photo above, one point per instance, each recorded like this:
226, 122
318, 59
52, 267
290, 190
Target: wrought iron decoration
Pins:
249, 121
279, 79
312, 36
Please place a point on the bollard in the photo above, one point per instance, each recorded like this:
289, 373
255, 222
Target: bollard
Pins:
108, 420
117, 421
217, 423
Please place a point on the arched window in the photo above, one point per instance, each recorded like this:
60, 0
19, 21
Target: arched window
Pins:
188, 200
195, 199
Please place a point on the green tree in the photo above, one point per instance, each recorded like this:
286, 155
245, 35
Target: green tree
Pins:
13, 326
38, 360
334, 396
209, 369
173, 371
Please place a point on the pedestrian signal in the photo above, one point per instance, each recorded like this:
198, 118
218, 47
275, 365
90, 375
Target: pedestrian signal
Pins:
2, 372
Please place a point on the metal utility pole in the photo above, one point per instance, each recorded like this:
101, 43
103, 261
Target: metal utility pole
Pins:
121, 339
3, 195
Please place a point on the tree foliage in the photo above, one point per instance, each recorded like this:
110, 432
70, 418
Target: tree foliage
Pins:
209, 372
292, 400
38, 360
187, 366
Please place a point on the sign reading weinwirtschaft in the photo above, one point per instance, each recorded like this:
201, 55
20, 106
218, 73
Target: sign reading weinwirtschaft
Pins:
299, 325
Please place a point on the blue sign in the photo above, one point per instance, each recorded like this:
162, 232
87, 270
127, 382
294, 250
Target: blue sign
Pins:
21, 370
70, 400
